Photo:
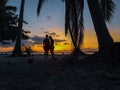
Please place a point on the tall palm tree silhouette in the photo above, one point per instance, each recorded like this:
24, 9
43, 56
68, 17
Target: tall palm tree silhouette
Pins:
17, 49
100, 12
74, 23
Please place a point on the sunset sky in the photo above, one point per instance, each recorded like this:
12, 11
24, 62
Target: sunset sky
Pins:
51, 21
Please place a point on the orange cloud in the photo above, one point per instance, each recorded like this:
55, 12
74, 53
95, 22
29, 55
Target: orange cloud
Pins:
6, 49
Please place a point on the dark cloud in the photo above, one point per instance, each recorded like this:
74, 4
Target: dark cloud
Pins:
12, 44
33, 41
6, 44
37, 39
48, 17
42, 28
27, 42
60, 40
52, 34
46, 32
57, 35
66, 43
57, 43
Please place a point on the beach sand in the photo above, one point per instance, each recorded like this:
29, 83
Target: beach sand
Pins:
18, 73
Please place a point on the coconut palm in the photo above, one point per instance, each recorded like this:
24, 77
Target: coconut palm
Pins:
17, 50
102, 10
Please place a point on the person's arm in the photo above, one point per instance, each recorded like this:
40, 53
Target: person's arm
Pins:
43, 43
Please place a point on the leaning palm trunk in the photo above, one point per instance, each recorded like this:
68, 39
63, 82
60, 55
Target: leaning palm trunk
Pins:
74, 23
104, 39
17, 50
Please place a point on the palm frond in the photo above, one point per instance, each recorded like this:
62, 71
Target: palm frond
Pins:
80, 22
40, 3
108, 8
3, 3
11, 8
74, 21
81, 31
67, 17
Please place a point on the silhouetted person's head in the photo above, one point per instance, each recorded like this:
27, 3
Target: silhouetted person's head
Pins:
50, 37
46, 36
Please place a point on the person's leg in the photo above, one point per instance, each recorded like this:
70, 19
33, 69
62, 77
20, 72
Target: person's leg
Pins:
52, 52
46, 54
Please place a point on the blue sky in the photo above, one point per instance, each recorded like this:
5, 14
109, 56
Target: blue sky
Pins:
52, 14
52, 18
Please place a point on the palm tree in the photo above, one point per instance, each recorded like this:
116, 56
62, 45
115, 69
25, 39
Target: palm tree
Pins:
98, 17
8, 20
74, 23
6, 11
17, 50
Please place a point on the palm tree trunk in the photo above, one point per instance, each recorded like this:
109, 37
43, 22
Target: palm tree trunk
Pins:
77, 51
104, 39
17, 50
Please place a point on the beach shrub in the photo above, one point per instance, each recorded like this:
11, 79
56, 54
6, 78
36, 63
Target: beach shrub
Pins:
27, 49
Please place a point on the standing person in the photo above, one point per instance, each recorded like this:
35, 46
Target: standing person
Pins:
46, 46
51, 46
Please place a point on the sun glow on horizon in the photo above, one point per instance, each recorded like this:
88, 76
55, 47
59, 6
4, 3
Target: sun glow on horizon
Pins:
63, 44
6, 49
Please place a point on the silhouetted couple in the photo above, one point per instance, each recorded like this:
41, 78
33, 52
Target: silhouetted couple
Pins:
48, 44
